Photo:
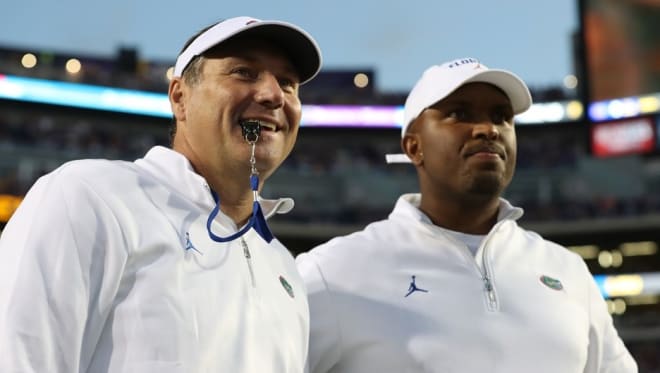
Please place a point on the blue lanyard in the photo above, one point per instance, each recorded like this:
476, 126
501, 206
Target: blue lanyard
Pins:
257, 220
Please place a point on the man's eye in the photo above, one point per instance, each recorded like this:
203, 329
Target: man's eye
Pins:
501, 118
245, 72
287, 83
458, 114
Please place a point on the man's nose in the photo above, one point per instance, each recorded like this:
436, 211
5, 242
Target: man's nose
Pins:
486, 129
269, 92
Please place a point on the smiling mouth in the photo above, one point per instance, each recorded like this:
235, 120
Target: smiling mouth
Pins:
268, 126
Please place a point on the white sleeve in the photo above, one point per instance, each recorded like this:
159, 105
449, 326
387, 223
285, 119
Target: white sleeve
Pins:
324, 339
607, 353
58, 278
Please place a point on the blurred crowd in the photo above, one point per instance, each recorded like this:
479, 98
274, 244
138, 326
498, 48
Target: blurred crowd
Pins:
339, 175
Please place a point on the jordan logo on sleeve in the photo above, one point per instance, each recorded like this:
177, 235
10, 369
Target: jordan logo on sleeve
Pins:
413, 288
189, 244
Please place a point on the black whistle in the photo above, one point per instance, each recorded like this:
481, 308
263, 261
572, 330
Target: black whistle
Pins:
251, 130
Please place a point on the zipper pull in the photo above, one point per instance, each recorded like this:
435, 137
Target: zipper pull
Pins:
489, 289
248, 258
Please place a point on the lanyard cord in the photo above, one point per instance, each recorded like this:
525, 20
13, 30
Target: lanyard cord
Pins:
254, 180
257, 221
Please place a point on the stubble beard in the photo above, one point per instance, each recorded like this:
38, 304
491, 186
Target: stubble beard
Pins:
487, 185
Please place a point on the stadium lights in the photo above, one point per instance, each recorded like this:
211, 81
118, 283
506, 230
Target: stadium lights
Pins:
608, 259
73, 66
585, 251
49, 92
626, 285
642, 300
29, 60
361, 80
157, 104
570, 81
624, 107
169, 73
625, 249
616, 306
649, 104
639, 248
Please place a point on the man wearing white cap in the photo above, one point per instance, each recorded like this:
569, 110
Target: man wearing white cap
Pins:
166, 264
450, 282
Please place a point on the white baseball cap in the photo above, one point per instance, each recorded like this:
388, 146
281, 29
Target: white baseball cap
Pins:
303, 50
439, 81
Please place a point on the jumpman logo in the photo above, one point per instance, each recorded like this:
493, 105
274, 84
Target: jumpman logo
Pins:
413, 287
189, 244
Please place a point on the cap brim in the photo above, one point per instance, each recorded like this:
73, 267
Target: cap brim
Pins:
397, 158
511, 84
296, 43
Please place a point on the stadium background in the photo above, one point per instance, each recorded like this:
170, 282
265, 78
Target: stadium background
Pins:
588, 171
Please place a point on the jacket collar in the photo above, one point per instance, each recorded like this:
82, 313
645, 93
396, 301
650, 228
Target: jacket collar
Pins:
174, 170
407, 206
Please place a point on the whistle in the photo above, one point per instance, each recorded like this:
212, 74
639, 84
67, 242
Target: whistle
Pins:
251, 129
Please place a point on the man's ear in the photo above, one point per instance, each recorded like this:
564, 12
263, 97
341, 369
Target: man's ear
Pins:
412, 147
175, 94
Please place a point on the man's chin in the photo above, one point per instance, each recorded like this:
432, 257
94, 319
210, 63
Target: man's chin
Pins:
488, 184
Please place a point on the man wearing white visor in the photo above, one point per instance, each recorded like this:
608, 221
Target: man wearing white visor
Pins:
166, 264
449, 282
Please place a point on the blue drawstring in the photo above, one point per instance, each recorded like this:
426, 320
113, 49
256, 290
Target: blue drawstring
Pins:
256, 221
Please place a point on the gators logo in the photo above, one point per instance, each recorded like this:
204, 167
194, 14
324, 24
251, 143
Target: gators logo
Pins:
287, 286
552, 283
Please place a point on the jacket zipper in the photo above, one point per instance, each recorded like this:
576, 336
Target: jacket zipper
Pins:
488, 286
489, 290
488, 283
248, 258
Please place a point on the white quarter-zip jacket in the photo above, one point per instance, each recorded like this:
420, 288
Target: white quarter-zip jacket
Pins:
403, 296
107, 266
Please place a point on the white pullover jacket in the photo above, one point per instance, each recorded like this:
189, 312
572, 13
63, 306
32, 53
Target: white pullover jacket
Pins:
107, 266
405, 296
